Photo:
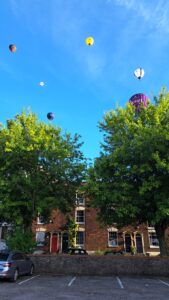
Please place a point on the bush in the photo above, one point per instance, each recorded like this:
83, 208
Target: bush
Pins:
23, 241
133, 250
99, 252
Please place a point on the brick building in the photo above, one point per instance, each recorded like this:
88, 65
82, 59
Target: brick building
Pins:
53, 237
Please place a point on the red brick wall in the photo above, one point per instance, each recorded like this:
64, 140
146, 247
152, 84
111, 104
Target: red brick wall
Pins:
96, 236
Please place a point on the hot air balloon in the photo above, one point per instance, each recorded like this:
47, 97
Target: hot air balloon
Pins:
12, 48
137, 100
139, 73
50, 116
41, 83
89, 41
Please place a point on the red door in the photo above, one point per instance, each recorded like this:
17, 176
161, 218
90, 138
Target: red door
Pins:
54, 247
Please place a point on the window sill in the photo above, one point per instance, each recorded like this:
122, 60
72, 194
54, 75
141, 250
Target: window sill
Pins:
82, 223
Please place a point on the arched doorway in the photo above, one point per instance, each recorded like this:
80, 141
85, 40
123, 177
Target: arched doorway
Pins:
65, 242
54, 246
139, 244
128, 242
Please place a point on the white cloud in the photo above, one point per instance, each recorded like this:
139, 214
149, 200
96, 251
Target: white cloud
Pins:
155, 13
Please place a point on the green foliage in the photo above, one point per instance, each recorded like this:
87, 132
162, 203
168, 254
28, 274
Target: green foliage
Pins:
22, 241
129, 181
40, 169
72, 229
99, 252
133, 250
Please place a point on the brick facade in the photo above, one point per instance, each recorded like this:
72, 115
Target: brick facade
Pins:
95, 237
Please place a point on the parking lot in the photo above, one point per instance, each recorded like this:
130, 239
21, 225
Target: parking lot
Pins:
85, 287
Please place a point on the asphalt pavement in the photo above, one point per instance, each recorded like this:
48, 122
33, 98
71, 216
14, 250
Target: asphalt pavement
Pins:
84, 288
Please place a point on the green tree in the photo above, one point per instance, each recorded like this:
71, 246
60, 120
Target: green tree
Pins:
72, 229
21, 240
40, 169
129, 182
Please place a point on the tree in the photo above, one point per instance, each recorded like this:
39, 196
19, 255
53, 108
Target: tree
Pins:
129, 182
20, 240
40, 169
72, 229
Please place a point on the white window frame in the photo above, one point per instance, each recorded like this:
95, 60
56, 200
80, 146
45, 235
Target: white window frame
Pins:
80, 201
79, 244
76, 214
40, 220
150, 239
40, 242
110, 244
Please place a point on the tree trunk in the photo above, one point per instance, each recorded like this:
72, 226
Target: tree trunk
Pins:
160, 231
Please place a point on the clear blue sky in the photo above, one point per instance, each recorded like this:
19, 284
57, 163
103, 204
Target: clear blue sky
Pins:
81, 82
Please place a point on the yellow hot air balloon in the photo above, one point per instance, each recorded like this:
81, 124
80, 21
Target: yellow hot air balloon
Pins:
89, 41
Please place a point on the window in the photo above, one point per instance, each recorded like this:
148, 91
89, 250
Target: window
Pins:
151, 227
79, 216
40, 220
80, 238
153, 239
17, 256
4, 256
112, 239
40, 238
80, 201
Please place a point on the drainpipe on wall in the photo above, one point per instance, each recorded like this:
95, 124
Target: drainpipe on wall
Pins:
60, 245
50, 249
123, 236
0, 231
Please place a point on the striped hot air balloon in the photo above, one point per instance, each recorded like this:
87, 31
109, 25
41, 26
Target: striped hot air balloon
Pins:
139, 73
137, 100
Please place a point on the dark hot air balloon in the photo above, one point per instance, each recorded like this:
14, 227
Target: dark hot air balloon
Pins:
137, 100
12, 48
50, 116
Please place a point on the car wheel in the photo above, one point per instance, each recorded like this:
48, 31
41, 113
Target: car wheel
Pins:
31, 270
15, 276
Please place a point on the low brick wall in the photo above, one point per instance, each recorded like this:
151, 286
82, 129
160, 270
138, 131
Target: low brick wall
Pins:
101, 265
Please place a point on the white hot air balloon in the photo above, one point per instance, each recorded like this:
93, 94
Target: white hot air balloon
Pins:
139, 73
41, 83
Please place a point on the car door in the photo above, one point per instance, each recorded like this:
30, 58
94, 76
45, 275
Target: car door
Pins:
19, 261
28, 264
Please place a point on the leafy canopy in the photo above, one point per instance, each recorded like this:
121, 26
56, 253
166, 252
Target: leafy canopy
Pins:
129, 181
40, 169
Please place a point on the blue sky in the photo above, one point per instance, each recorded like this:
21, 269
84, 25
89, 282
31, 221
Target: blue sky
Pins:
81, 83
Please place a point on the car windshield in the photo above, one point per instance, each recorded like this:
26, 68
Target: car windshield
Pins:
4, 256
